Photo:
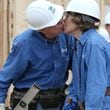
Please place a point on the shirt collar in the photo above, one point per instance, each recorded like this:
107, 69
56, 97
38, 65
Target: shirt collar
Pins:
85, 36
43, 38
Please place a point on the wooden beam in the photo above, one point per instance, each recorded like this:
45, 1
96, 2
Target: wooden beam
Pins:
3, 30
102, 12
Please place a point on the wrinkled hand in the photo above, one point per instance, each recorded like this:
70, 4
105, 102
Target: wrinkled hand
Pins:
2, 106
68, 106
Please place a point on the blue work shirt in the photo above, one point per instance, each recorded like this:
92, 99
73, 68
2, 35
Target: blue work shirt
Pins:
35, 59
91, 70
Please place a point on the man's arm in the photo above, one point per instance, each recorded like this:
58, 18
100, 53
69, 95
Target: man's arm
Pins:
13, 68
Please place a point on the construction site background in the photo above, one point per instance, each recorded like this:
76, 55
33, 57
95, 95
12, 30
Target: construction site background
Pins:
12, 22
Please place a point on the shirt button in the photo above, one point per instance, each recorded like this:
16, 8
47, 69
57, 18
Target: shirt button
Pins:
55, 62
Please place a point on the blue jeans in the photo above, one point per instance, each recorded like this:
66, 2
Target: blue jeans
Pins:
39, 107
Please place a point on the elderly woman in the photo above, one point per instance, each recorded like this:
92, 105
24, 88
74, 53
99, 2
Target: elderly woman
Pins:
90, 88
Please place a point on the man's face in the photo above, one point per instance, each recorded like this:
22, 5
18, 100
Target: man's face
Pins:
107, 26
53, 31
58, 28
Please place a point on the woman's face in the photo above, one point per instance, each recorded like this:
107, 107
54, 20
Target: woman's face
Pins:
69, 25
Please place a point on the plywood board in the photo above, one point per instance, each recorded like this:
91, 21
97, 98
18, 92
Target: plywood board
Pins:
19, 22
107, 2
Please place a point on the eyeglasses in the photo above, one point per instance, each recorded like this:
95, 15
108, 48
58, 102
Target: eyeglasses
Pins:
60, 22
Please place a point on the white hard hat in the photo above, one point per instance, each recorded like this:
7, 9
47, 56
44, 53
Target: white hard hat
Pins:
107, 19
42, 13
87, 7
103, 32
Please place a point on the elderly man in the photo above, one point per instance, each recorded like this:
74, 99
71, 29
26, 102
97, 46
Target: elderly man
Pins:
39, 55
105, 32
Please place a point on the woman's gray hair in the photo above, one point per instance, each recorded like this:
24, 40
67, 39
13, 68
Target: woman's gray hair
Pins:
84, 22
